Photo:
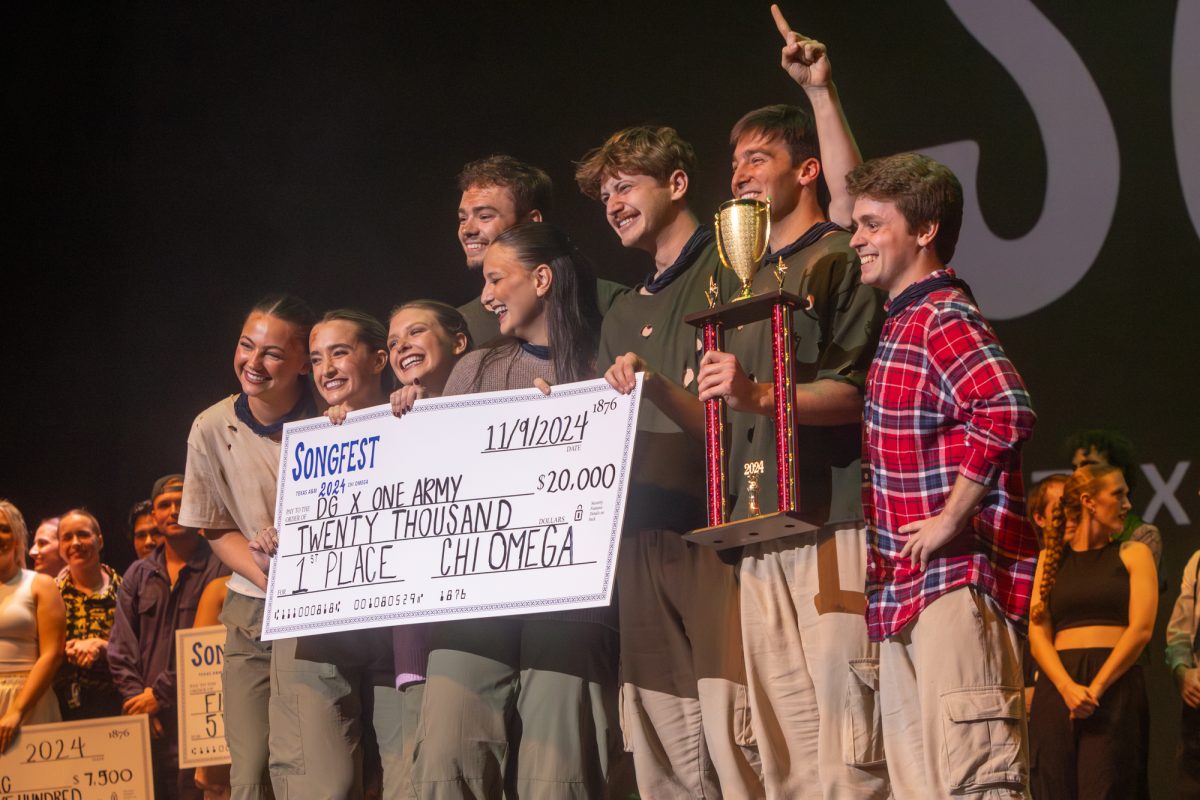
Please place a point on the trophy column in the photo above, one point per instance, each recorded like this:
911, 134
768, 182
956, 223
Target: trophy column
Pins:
714, 437
787, 485
786, 521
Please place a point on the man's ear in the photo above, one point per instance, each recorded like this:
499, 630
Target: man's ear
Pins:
809, 172
678, 183
534, 216
926, 232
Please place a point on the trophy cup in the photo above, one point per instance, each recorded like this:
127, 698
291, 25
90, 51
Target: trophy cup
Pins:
742, 228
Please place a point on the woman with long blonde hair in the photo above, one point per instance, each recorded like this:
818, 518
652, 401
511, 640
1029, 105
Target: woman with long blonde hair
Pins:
1093, 612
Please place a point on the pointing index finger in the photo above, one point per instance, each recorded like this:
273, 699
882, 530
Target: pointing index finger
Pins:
781, 23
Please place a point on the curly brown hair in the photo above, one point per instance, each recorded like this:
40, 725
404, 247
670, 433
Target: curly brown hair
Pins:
530, 187
1085, 480
656, 151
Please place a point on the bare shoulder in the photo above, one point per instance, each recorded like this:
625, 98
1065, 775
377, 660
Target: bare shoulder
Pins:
44, 589
1136, 553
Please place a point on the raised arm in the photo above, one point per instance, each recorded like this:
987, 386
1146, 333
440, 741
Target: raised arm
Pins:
807, 62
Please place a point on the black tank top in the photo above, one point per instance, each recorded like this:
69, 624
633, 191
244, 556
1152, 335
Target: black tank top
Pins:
1092, 588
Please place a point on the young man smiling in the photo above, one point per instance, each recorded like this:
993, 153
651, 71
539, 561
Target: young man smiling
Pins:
683, 687
952, 558
812, 672
499, 192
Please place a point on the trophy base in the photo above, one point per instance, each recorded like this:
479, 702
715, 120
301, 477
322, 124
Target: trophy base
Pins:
743, 310
762, 528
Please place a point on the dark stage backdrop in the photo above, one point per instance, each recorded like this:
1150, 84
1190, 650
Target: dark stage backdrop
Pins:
168, 163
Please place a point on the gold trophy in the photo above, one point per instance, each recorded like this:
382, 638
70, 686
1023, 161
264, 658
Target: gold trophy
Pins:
743, 230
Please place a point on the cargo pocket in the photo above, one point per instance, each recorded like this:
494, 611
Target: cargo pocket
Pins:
982, 731
285, 742
743, 731
862, 724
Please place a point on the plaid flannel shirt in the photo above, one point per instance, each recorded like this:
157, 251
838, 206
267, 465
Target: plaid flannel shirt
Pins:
943, 400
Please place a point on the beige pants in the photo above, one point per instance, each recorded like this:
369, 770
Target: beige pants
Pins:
684, 709
517, 707
953, 707
813, 675
397, 712
246, 677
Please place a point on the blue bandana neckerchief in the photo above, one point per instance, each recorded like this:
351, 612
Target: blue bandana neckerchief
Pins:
538, 351
941, 279
303, 409
810, 237
691, 251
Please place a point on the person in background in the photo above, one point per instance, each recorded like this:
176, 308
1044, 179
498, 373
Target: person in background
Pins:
1182, 648
142, 530
158, 595
44, 550
1042, 501
31, 633
1094, 611
89, 590
1109, 447
213, 780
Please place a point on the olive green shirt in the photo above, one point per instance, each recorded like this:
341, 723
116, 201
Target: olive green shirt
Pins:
833, 340
484, 328
667, 483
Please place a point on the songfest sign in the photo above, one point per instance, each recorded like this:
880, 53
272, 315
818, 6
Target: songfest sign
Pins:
199, 657
91, 759
476, 505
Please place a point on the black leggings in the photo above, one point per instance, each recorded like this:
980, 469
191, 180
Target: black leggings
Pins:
1101, 757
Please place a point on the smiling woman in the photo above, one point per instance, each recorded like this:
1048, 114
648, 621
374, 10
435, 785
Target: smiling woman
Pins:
31, 633
329, 677
89, 591
425, 340
232, 466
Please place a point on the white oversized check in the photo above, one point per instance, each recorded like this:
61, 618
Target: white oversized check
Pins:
92, 759
199, 656
471, 506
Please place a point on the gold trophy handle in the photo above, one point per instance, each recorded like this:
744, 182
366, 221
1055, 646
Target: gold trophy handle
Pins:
720, 247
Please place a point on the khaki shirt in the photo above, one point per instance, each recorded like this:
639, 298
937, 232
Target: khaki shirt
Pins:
230, 480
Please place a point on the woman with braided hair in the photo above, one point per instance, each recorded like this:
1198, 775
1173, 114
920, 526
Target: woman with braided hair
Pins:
1093, 612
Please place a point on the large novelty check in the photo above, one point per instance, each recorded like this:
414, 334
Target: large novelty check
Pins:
471, 506
90, 759
200, 696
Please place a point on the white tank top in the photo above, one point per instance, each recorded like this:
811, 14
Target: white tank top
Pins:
18, 623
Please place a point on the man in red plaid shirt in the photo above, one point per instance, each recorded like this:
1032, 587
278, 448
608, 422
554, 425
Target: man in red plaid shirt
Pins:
950, 556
